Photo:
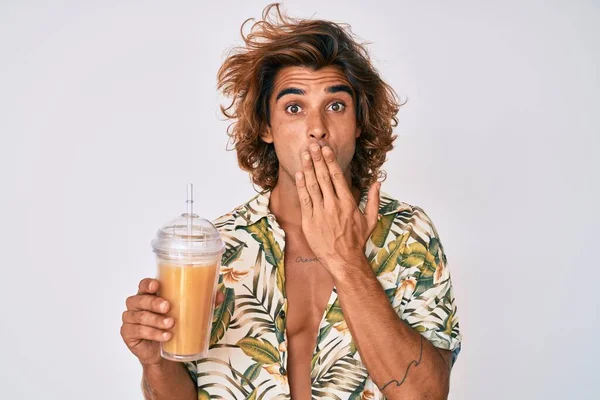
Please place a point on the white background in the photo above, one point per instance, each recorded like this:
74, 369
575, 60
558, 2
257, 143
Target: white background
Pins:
108, 109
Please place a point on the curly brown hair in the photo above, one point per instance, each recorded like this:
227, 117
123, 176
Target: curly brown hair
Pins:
247, 76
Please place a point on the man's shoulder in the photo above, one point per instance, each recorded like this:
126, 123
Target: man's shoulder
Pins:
408, 217
388, 204
240, 215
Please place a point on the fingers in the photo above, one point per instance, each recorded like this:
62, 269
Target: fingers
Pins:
147, 302
148, 286
311, 182
135, 332
372, 206
337, 176
306, 205
147, 318
322, 171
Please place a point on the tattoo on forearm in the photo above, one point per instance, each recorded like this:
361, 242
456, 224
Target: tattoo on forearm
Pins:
415, 362
300, 259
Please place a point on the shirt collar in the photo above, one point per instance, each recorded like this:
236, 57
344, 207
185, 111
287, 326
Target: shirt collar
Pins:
258, 207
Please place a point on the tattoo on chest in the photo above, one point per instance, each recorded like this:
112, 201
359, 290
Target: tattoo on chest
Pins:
301, 259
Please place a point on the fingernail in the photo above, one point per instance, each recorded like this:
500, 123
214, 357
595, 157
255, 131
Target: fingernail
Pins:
163, 306
306, 156
167, 321
166, 335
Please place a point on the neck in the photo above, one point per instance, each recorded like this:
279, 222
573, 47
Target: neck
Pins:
285, 204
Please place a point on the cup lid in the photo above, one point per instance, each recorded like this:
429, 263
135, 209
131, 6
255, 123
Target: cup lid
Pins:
188, 235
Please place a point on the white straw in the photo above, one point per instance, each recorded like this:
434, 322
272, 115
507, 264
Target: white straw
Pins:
190, 206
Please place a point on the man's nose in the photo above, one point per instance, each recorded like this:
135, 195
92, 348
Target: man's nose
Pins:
317, 130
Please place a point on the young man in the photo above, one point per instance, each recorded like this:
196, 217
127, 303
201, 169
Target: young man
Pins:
330, 287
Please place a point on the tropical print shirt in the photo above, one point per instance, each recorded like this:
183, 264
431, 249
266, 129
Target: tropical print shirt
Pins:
247, 357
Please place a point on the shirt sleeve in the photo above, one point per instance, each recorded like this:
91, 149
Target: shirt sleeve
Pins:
424, 296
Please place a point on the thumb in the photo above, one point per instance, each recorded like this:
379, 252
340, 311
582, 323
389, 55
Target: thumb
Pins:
372, 207
220, 298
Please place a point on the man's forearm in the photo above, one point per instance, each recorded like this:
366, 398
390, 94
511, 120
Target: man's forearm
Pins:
168, 380
401, 363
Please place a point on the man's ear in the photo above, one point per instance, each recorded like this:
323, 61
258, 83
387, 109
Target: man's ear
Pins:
266, 135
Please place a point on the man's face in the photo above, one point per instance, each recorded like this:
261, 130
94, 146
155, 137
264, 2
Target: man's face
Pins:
308, 107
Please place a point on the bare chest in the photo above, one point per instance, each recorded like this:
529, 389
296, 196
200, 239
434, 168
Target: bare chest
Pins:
308, 286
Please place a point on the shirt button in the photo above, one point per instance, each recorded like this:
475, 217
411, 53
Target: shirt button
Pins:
282, 314
282, 371
271, 217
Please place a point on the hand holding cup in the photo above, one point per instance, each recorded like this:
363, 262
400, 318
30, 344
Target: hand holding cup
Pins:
145, 322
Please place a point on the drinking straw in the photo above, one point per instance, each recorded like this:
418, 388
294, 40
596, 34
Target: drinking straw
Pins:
190, 207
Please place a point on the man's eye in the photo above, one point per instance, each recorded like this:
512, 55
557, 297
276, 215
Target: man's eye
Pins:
337, 106
293, 108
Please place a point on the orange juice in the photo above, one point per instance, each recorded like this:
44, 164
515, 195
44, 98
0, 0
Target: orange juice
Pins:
190, 290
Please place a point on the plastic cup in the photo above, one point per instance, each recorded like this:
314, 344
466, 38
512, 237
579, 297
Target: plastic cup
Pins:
188, 255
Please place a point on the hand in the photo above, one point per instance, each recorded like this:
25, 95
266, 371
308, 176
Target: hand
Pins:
333, 225
144, 324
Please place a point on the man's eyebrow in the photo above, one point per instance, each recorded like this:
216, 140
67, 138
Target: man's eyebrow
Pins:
330, 89
290, 90
340, 88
